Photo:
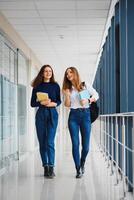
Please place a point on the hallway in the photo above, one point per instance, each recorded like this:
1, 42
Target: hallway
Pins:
96, 37
25, 180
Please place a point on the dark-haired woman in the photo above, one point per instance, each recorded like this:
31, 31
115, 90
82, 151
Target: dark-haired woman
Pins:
46, 119
79, 116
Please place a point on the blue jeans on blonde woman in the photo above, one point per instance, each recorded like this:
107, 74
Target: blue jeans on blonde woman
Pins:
79, 119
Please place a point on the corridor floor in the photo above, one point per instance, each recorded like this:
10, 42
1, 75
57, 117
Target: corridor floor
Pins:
24, 180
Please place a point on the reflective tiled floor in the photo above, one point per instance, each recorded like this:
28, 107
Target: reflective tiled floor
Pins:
24, 179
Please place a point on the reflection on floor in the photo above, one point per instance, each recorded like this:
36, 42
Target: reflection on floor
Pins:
24, 179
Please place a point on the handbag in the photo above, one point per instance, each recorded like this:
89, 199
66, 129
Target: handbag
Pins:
94, 111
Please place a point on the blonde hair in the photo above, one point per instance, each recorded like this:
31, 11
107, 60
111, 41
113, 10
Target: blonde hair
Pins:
77, 82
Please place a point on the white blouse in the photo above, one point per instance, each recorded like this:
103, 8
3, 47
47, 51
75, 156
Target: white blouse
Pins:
75, 100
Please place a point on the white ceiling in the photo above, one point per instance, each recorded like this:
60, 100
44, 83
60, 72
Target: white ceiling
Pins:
61, 33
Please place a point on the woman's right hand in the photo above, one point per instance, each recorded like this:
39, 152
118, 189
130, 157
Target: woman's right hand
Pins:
67, 93
45, 102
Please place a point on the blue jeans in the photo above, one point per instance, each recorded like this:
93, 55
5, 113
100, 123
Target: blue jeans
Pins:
79, 119
46, 124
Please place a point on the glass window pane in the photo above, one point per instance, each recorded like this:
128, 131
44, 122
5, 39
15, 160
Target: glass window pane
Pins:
22, 105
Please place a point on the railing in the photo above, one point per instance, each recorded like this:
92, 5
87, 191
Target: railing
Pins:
115, 135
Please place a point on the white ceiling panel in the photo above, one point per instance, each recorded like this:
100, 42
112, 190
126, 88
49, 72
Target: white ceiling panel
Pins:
61, 33
75, 27
20, 13
57, 28
90, 42
15, 4
40, 44
35, 40
55, 5
29, 27
36, 33
90, 27
88, 33
59, 21
91, 13
57, 13
89, 38
25, 21
91, 21
92, 5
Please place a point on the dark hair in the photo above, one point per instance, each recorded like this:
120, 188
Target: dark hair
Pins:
67, 84
83, 84
39, 78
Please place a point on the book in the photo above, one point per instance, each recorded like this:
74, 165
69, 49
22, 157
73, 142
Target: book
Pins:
84, 94
42, 96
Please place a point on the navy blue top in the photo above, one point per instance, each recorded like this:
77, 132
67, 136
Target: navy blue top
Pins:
52, 89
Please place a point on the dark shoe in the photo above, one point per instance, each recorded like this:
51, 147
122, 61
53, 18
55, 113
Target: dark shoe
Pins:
46, 170
82, 169
51, 172
78, 173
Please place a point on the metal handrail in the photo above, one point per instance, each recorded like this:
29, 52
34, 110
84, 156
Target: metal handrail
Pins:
110, 143
127, 114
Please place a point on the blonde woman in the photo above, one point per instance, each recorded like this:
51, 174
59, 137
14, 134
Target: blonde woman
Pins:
79, 116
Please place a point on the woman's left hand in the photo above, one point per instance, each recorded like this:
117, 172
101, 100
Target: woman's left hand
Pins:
45, 102
83, 102
52, 104
92, 100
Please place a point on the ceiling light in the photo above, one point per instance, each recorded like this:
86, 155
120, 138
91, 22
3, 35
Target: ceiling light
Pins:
61, 36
